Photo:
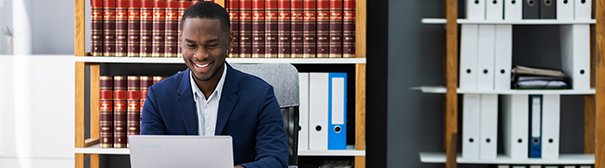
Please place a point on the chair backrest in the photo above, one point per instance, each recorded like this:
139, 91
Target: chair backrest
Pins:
284, 79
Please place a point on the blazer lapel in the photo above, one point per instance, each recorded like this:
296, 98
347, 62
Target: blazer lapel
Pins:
228, 99
185, 101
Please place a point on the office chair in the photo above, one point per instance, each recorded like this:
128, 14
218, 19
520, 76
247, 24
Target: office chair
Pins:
284, 79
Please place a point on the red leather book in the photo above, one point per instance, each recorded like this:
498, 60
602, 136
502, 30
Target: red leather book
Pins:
171, 34
258, 28
323, 28
284, 28
159, 27
348, 47
297, 29
146, 28
146, 82
233, 9
157, 79
121, 28
183, 5
133, 110
119, 111
271, 29
245, 20
106, 112
336, 28
96, 27
134, 27
310, 29
109, 27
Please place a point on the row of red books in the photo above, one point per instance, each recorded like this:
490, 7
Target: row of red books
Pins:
121, 101
292, 28
136, 28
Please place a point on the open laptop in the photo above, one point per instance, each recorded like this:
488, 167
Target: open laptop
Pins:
151, 151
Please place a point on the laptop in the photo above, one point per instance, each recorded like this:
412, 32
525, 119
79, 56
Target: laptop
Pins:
161, 151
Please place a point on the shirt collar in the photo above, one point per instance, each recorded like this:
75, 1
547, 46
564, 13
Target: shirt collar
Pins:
217, 91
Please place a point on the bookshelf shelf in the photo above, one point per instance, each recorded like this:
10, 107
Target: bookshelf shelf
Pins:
443, 90
230, 60
516, 22
96, 149
564, 159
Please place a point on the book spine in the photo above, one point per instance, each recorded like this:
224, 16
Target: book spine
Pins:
271, 29
233, 9
245, 19
159, 28
96, 13
336, 28
258, 28
183, 5
106, 112
297, 30
119, 113
146, 31
121, 28
144, 85
283, 27
157, 79
348, 47
109, 27
134, 27
310, 29
323, 28
133, 117
171, 34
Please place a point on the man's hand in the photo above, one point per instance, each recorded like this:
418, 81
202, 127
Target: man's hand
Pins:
238, 166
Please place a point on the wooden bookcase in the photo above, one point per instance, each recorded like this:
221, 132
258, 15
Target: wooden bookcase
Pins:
88, 147
594, 105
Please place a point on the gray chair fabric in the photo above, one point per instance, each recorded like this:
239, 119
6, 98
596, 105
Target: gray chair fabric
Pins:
284, 79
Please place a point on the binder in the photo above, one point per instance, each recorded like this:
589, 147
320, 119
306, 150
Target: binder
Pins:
503, 166
548, 9
475, 9
303, 108
571, 166
503, 57
471, 117
337, 111
318, 111
468, 56
485, 57
550, 126
513, 10
535, 126
583, 9
494, 10
489, 126
518, 166
565, 9
535, 166
575, 55
531, 9
515, 121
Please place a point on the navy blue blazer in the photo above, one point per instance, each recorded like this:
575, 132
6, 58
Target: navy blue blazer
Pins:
248, 112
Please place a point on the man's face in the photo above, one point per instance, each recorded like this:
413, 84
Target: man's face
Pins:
204, 47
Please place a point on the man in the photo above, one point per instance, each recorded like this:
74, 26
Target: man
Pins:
211, 98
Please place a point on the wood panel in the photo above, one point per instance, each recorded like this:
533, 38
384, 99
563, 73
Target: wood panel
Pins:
360, 28
451, 97
79, 44
79, 134
589, 124
360, 113
95, 76
79, 161
220, 2
94, 161
600, 86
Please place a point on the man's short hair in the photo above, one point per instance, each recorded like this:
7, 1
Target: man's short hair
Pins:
208, 10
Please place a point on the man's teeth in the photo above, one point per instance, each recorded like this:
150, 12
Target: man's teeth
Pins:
201, 65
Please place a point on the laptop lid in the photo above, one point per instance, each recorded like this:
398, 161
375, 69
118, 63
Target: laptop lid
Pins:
161, 151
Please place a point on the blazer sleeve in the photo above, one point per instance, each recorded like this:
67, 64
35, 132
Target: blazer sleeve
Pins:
271, 140
151, 119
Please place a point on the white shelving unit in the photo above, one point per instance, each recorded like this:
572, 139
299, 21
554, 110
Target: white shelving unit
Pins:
442, 90
513, 22
564, 159
151, 60
96, 149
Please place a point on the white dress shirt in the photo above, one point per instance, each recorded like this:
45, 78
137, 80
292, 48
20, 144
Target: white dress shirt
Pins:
207, 109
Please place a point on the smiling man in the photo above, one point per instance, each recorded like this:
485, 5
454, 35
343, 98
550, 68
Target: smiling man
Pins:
211, 98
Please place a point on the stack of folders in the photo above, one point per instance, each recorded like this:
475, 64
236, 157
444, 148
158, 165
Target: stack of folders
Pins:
323, 111
538, 78
528, 9
531, 126
543, 166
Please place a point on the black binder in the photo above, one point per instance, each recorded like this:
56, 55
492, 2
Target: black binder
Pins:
531, 9
548, 9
